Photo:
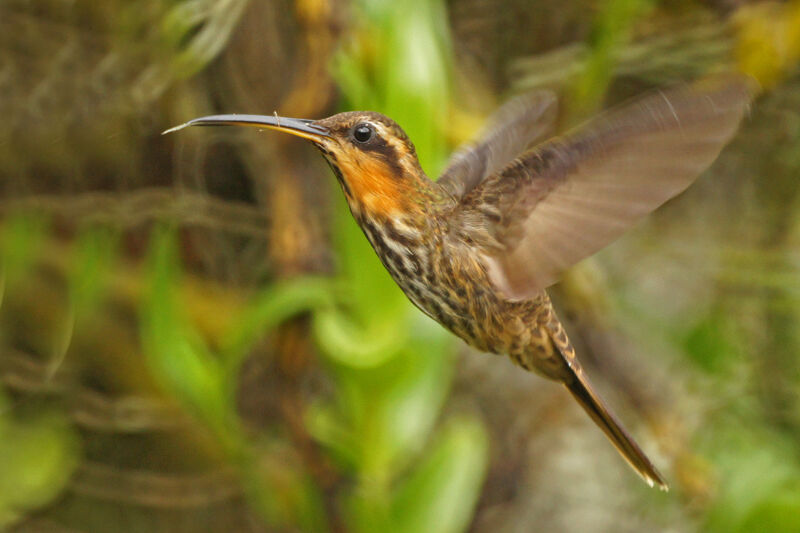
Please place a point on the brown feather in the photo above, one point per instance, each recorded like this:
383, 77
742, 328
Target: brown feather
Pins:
511, 130
605, 419
571, 196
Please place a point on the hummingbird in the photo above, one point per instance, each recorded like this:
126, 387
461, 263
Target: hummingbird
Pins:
477, 249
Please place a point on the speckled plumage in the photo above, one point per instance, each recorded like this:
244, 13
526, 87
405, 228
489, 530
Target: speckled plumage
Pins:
476, 249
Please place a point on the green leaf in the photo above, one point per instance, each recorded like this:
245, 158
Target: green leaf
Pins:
777, 512
175, 354
611, 30
359, 346
88, 274
386, 412
326, 425
96, 250
21, 237
279, 488
37, 458
413, 402
440, 494
270, 307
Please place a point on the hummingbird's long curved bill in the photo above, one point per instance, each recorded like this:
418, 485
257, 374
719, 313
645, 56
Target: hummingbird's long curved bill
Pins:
296, 126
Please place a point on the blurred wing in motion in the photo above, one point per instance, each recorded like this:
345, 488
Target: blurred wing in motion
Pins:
571, 196
514, 128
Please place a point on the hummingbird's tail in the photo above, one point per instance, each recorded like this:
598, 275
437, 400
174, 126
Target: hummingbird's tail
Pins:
565, 368
582, 391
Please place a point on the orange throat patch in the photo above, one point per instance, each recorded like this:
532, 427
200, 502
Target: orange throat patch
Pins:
375, 188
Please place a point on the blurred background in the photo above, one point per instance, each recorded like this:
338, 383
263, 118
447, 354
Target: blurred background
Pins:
195, 336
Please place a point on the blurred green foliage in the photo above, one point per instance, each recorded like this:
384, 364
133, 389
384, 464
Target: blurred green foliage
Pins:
611, 31
21, 236
38, 449
391, 366
401, 465
203, 382
38, 455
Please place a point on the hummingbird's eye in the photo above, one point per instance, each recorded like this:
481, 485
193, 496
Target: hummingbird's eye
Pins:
363, 132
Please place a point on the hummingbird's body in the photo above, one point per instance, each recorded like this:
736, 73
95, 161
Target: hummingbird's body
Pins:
433, 260
476, 249
441, 276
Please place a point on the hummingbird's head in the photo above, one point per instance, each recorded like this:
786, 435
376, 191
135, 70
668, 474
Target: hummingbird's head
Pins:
374, 161
371, 156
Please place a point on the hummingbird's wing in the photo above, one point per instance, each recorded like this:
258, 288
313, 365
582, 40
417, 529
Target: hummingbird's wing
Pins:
571, 196
512, 129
